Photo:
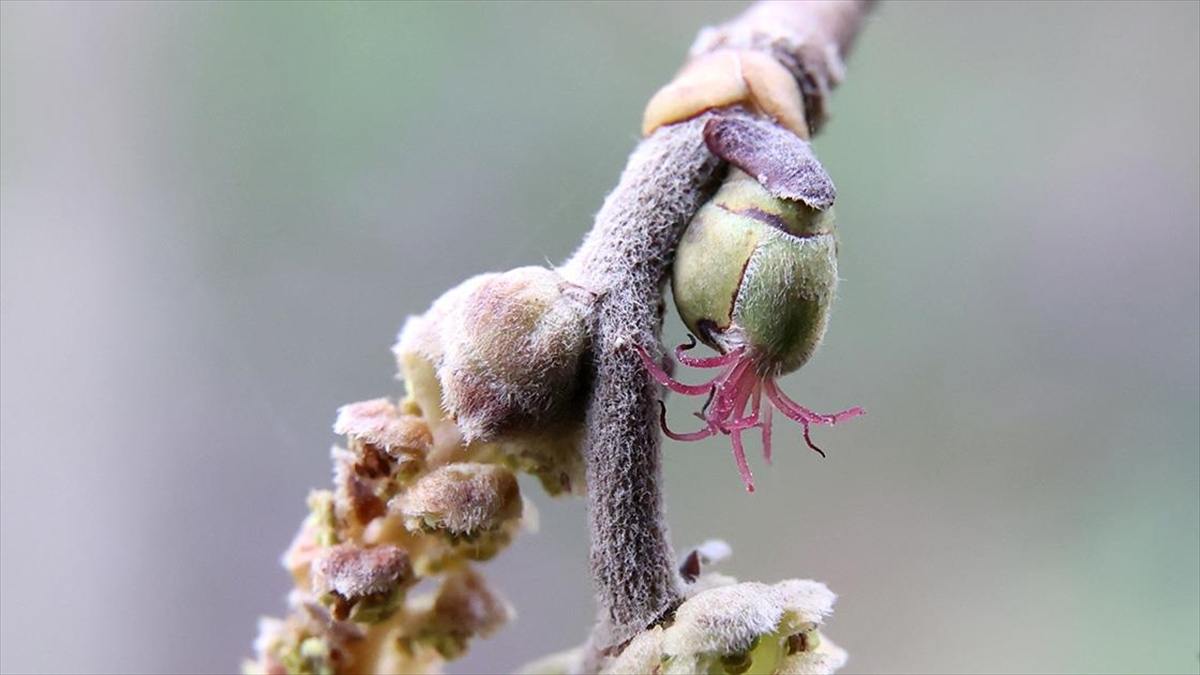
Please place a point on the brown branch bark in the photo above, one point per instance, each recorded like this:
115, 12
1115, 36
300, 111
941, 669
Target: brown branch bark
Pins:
625, 261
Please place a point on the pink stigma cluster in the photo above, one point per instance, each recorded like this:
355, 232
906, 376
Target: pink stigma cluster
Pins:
735, 402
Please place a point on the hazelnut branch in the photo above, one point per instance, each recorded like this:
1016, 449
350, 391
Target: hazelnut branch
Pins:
497, 378
624, 261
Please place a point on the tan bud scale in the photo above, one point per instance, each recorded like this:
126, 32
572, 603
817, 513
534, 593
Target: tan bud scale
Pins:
724, 78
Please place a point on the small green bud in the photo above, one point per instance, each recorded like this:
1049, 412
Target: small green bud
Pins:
312, 657
309, 641
758, 272
754, 278
319, 531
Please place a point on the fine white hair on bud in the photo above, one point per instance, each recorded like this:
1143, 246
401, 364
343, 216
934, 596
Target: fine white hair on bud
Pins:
752, 627
463, 499
363, 584
507, 349
728, 628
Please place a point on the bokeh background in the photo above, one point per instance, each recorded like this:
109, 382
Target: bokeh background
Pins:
216, 216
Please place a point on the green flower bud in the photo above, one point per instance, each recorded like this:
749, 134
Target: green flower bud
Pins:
754, 278
757, 272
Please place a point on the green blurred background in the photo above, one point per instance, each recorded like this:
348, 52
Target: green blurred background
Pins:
216, 216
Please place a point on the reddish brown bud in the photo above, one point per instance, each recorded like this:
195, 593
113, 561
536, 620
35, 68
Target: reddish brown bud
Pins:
461, 499
379, 423
507, 349
465, 607
362, 584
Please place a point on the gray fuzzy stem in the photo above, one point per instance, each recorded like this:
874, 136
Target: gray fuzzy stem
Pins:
625, 261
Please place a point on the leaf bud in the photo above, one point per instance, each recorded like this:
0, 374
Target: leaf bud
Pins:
753, 627
507, 349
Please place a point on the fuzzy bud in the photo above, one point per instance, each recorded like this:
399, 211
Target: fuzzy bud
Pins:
377, 422
758, 272
465, 502
466, 606
507, 349
364, 585
384, 442
308, 642
753, 627
728, 628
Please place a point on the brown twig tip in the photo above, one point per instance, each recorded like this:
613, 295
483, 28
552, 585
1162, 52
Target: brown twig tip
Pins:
812, 39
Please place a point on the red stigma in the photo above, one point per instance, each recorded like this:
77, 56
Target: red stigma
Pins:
735, 402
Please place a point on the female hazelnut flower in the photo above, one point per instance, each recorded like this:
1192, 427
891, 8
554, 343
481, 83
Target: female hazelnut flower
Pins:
754, 278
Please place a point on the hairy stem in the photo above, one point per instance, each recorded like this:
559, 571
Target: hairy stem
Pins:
624, 261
